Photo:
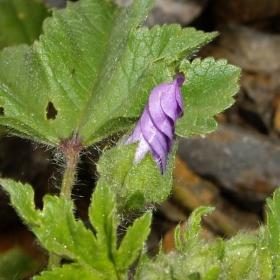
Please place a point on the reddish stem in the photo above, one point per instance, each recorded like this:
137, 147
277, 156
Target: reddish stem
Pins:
71, 148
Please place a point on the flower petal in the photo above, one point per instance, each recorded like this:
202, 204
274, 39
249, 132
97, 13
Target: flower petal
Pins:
155, 138
157, 114
156, 127
172, 103
142, 150
135, 136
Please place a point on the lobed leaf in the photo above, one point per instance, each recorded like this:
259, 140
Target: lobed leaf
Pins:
244, 256
72, 271
101, 215
148, 59
91, 72
22, 199
93, 252
133, 242
193, 228
208, 90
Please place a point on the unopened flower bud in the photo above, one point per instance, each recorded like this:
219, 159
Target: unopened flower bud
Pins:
156, 127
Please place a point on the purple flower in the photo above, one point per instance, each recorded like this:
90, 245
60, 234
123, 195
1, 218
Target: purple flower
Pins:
156, 127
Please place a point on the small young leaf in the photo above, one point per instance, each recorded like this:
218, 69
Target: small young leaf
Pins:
247, 257
95, 252
244, 256
133, 242
66, 236
101, 215
193, 228
193, 225
22, 199
202, 261
21, 21
207, 91
67, 272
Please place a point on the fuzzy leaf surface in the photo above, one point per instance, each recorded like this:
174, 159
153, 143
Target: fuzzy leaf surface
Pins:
95, 252
135, 185
133, 242
193, 228
21, 21
244, 256
94, 67
66, 272
207, 91
22, 198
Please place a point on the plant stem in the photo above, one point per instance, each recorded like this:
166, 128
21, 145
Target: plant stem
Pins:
72, 157
71, 149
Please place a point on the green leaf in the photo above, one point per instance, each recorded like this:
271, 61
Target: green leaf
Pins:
94, 251
133, 242
207, 91
213, 273
101, 214
273, 224
202, 261
246, 257
135, 185
72, 271
193, 228
22, 198
193, 224
21, 21
67, 237
97, 78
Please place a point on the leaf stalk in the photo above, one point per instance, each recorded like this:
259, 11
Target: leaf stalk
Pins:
71, 149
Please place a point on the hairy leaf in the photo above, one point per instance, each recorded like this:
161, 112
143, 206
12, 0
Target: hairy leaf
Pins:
72, 271
94, 251
135, 185
91, 72
22, 198
244, 256
207, 91
192, 230
133, 242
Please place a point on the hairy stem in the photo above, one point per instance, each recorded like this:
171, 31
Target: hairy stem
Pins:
71, 149
72, 157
